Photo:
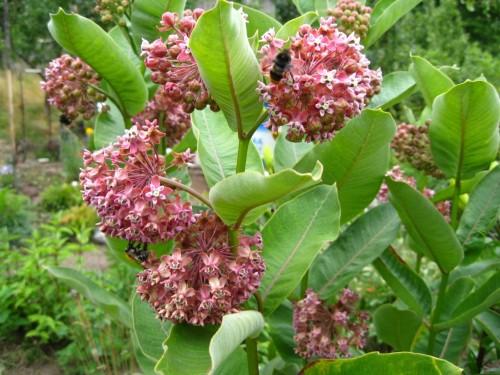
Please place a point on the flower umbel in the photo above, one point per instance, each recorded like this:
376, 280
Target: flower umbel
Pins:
329, 81
112, 10
203, 279
352, 17
328, 331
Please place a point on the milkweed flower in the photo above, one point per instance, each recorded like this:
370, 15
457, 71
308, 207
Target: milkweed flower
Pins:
68, 87
123, 183
328, 331
112, 10
204, 278
329, 81
172, 64
351, 17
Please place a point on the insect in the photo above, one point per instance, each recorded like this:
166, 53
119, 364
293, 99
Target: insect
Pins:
282, 63
137, 251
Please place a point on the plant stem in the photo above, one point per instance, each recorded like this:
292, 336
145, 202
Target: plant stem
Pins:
418, 264
260, 302
454, 206
252, 357
241, 162
187, 189
303, 284
437, 313
234, 240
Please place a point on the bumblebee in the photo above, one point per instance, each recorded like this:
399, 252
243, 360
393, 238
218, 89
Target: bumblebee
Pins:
137, 251
282, 64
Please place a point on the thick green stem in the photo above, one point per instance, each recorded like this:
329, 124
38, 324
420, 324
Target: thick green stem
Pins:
252, 357
418, 264
260, 302
234, 240
437, 312
454, 206
241, 162
303, 284
187, 189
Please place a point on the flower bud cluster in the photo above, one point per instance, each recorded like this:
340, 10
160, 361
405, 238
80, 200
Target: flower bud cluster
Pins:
327, 82
112, 10
352, 17
411, 145
173, 66
329, 331
172, 119
123, 183
68, 87
204, 278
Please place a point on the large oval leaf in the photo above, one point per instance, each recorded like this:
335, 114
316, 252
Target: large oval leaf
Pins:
464, 129
228, 65
426, 226
357, 246
82, 37
396, 87
293, 236
384, 364
218, 147
287, 154
240, 195
356, 160
282, 332
396, 327
108, 126
258, 22
290, 28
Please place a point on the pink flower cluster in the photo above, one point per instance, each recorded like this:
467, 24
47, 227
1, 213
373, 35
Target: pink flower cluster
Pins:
172, 119
352, 17
203, 279
173, 65
328, 331
67, 85
328, 82
123, 183
444, 207
112, 10
411, 145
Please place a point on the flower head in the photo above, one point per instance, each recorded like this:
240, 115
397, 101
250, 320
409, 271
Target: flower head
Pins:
328, 331
68, 83
123, 183
172, 64
352, 17
203, 279
112, 10
327, 83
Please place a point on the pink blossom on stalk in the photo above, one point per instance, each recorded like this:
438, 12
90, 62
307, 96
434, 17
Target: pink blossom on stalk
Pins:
328, 331
67, 85
329, 81
172, 64
203, 279
122, 182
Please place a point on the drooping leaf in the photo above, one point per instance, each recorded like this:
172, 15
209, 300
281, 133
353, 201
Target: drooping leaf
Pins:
426, 226
357, 246
396, 327
281, 332
235, 364
82, 37
218, 147
258, 21
464, 130
385, 14
291, 27
356, 160
430, 80
405, 283
147, 365
482, 209
396, 87
287, 154
242, 194
490, 322
111, 304
476, 268
383, 364
108, 126
293, 236
227, 64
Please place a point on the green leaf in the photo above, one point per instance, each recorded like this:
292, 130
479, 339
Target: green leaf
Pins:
357, 246
321, 6
282, 332
356, 160
383, 364
238, 196
146, 364
122, 39
485, 296
464, 129
293, 236
82, 37
234, 329
235, 364
218, 147
146, 17
111, 304
258, 22
476, 268
148, 331
290, 28
385, 14
396, 87
71, 153
430, 80
466, 187
395, 327
227, 64
426, 226
188, 141
482, 209
405, 283
108, 126
287, 154
490, 322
